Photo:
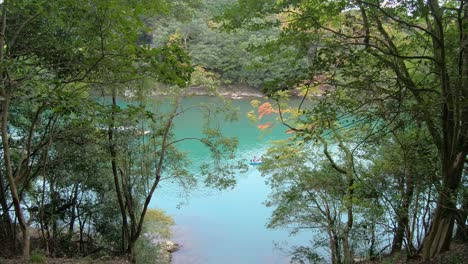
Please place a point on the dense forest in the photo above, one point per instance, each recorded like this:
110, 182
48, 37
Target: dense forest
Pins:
376, 157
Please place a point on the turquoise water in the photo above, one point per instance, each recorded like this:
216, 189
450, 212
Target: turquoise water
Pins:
227, 226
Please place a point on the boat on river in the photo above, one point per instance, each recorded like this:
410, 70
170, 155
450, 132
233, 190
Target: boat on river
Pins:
256, 161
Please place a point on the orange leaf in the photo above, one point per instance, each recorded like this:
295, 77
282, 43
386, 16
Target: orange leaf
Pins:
265, 109
264, 126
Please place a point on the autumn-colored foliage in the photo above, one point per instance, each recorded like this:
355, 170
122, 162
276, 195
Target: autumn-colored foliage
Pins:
265, 126
265, 109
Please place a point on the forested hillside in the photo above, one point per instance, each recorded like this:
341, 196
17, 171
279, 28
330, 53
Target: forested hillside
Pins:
372, 94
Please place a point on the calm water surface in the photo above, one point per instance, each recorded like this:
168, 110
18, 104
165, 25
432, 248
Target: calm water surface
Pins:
224, 227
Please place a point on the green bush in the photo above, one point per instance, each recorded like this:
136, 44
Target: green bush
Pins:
38, 257
148, 253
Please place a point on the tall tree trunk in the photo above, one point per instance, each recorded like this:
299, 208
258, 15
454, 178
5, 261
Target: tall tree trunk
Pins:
332, 236
71, 228
81, 228
454, 146
349, 203
348, 173
347, 251
11, 181
131, 250
113, 153
6, 147
398, 236
440, 235
137, 219
403, 229
372, 241
54, 200
6, 223
42, 216
42, 219
462, 229
334, 243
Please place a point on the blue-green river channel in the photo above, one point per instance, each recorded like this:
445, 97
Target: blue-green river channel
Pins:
229, 226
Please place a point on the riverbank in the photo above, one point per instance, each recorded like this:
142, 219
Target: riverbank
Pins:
232, 91
240, 91
457, 254
228, 91
103, 260
161, 253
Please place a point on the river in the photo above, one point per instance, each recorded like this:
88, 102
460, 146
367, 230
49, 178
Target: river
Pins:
226, 227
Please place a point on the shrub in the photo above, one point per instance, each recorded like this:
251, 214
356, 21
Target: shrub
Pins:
38, 257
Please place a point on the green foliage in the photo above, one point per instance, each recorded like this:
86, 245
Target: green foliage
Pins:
56, 57
145, 155
38, 257
158, 223
239, 57
304, 255
382, 72
157, 227
148, 253
221, 172
373, 77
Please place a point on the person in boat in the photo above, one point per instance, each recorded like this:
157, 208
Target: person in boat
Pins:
255, 160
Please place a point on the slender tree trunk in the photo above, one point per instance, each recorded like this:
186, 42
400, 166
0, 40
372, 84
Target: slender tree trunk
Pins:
81, 227
159, 168
11, 181
131, 250
399, 233
7, 223
113, 153
334, 244
348, 173
6, 147
372, 241
73, 209
54, 199
332, 248
42, 217
347, 251
398, 236
42, 211
462, 229
408, 197
403, 229
137, 220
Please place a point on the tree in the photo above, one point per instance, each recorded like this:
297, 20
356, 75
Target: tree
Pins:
420, 49
318, 192
306, 197
50, 54
143, 154
403, 167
